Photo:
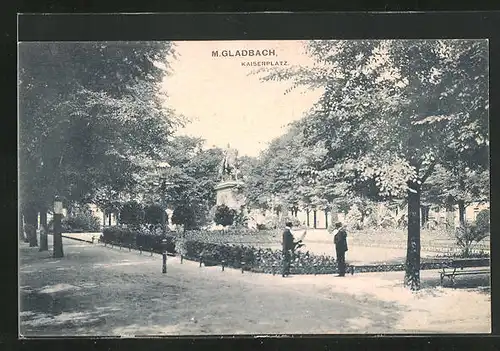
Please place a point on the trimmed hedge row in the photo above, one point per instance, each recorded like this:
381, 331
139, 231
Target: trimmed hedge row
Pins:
135, 239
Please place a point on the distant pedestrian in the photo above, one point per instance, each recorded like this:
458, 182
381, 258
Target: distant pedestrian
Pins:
340, 241
288, 245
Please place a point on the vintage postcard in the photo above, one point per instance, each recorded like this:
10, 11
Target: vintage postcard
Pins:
254, 187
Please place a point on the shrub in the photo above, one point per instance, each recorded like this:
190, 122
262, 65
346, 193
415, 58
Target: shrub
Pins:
224, 215
85, 222
148, 242
241, 218
483, 222
153, 214
30, 231
468, 234
274, 222
354, 218
184, 215
144, 239
120, 235
132, 213
295, 222
381, 216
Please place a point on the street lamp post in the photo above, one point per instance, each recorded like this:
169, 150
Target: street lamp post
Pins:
163, 186
164, 254
44, 245
58, 246
163, 189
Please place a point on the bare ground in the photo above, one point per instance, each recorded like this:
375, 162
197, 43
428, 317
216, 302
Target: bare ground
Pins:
95, 290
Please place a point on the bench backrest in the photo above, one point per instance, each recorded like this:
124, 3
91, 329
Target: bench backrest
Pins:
470, 262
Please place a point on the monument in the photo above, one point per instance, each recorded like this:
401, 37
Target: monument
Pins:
229, 189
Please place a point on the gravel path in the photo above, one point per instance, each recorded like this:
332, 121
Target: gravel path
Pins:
95, 290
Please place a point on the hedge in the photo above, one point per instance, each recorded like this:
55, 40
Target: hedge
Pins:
137, 239
81, 222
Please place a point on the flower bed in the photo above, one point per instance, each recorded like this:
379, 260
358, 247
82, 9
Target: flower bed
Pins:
254, 259
235, 236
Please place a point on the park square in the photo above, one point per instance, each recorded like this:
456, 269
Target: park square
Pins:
167, 191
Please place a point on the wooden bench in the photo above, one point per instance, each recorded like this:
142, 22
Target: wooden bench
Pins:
456, 267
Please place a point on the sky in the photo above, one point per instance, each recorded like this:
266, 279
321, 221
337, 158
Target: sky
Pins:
228, 106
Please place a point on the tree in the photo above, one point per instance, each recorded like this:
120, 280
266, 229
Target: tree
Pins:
184, 215
468, 234
85, 108
449, 185
275, 180
390, 112
154, 214
192, 176
224, 215
132, 213
483, 221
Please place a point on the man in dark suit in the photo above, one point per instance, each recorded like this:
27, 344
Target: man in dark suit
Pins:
288, 245
340, 240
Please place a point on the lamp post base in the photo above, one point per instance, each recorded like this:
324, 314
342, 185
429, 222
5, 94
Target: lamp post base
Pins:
164, 265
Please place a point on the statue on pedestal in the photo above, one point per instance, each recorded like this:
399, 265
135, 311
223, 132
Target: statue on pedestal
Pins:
229, 189
228, 170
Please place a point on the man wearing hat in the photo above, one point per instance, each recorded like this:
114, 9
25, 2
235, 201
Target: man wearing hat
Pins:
340, 241
288, 245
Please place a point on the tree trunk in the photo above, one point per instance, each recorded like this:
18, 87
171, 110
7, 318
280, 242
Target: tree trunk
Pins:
461, 212
326, 219
307, 218
334, 215
57, 237
69, 210
31, 217
163, 222
412, 274
21, 227
424, 215
362, 220
450, 214
109, 219
104, 218
44, 244
314, 219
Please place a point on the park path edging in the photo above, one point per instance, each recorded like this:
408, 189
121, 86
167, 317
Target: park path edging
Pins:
77, 239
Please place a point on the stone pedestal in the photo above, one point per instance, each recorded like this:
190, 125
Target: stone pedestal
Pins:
229, 194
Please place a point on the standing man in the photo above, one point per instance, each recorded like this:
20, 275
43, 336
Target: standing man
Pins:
340, 240
287, 248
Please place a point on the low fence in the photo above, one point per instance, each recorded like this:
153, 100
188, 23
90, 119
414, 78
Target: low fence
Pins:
444, 247
276, 267
265, 260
